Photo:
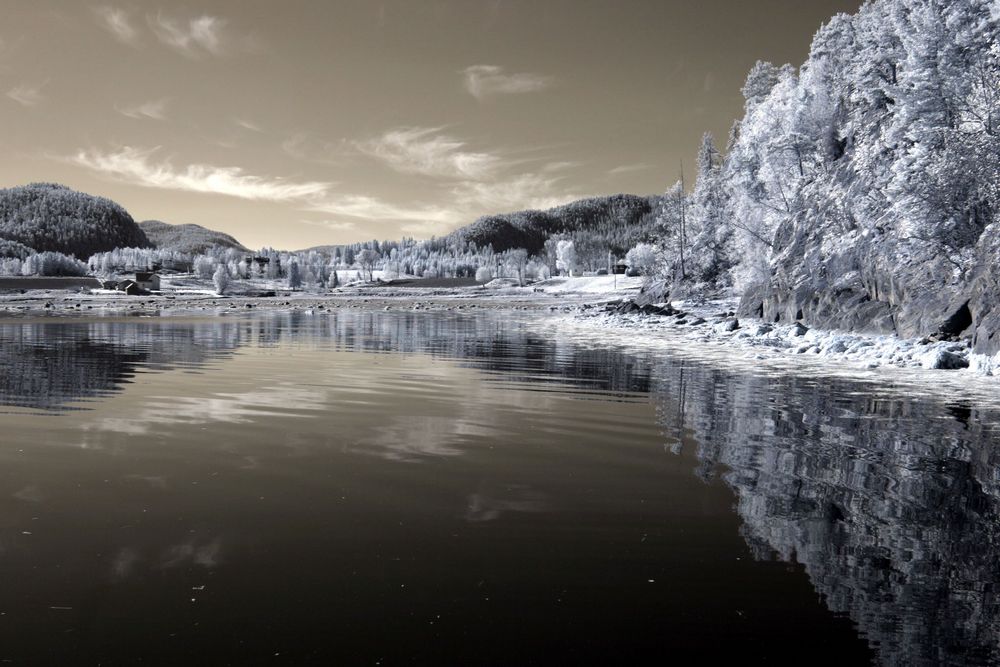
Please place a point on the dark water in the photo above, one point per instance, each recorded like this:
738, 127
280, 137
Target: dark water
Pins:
383, 488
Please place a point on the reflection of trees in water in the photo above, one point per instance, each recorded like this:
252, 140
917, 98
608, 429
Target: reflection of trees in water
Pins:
47, 365
891, 504
490, 342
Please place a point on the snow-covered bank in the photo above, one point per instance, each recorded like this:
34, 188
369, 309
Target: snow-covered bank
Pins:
712, 326
603, 285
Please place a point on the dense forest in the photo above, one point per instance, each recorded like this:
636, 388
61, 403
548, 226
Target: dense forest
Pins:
616, 223
191, 239
47, 217
860, 190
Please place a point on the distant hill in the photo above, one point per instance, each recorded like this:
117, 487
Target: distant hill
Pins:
618, 222
192, 239
50, 217
626, 217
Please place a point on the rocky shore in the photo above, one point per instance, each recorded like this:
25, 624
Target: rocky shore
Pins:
720, 323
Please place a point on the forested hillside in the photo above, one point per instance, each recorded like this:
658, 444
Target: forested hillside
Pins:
193, 239
862, 189
49, 217
616, 222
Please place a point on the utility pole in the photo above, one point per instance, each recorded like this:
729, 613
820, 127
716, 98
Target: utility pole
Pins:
683, 196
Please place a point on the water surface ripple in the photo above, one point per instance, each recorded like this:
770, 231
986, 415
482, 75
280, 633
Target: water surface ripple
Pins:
435, 488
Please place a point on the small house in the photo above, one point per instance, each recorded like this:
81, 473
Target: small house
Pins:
130, 287
148, 280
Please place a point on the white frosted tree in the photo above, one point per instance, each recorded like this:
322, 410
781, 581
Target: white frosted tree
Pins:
712, 238
642, 258
203, 266
565, 256
221, 279
671, 228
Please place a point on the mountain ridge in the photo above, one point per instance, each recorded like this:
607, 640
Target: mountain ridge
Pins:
42, 217
187, 238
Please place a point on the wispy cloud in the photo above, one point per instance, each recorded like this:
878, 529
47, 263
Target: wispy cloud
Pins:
139, 166
561, 165
468, 182
523, 191
118, 23
483, 81
373, 208
629, 168
27, 95
155, 110
248, 125
335, 225
303, 146
193, 38
471, 182
465, 199
425, 151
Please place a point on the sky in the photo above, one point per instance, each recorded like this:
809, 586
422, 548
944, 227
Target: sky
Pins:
293, 124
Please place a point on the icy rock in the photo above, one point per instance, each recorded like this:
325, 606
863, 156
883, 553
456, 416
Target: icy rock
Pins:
659, 309
943, 359
983, 364
838, 346
729, 325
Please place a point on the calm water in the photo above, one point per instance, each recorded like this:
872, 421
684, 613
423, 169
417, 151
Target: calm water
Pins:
386, 488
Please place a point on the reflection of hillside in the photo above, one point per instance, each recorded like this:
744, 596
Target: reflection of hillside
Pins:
891, 504
47, 365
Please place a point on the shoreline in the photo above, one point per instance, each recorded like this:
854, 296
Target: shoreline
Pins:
710, 325
195, 297
71, 304
715, 322
893, 364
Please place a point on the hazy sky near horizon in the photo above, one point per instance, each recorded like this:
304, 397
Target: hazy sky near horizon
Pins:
295, 123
